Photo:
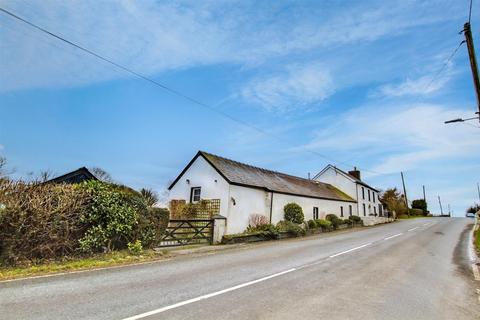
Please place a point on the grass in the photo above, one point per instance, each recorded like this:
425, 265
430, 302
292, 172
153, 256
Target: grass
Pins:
97, 261
405, 217
476, 240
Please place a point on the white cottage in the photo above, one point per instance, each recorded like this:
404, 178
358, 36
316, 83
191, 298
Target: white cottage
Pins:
244, 190
367, 197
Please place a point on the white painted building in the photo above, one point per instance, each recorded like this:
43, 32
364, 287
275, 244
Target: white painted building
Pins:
244, 190
367, 197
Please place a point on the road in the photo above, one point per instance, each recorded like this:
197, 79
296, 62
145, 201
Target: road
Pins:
413, 269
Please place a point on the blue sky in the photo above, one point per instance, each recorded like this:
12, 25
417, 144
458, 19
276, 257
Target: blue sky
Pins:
350, 80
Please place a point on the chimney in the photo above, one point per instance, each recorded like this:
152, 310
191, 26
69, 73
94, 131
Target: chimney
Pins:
355, 173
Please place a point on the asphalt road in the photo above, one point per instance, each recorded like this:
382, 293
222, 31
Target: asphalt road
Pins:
415, 269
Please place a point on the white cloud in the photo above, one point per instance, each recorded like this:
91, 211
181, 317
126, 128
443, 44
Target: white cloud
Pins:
423, 85
397, 137
297, 86
152, 37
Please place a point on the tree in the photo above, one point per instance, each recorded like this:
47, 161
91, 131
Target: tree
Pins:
3, 171
102, 175
420, 204
150, 196
473, 209
394, 200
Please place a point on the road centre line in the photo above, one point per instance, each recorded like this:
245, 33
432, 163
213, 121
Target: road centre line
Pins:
394, 236
350, 250
206, 296
243, 285
412, 229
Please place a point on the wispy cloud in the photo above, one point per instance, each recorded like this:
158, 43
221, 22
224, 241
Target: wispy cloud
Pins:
152, 37
296, 87
396, 137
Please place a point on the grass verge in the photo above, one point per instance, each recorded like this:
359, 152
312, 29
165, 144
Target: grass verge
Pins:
476, 240
97, 261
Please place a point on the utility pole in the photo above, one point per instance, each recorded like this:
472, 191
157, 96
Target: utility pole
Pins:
404, 190
449, 211
478, 189
467, 31
424, 197
440, 202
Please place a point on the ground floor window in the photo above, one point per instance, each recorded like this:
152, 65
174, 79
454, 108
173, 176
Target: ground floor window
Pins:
195, 194
375, 210
364, 210
315, 213
341, 211
350, 210
380, 209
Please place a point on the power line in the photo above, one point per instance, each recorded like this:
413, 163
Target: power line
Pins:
470, 12
172, 91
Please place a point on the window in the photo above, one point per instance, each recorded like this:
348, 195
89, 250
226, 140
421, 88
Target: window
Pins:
350, 209
369, 195
364, 210
373, 196
363, 193
195, 194
315, 213
375, 210
341, 211
380, 211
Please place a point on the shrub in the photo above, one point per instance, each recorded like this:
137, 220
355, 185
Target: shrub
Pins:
324, 224
268, 230
151, 225
312, 224
355, 219
110, 217
415, 212
290, 227
293, 213
39, 221
336, 221
136, 247
255, 220
347, 222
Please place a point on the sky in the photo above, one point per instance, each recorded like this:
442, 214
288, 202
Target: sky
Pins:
286, 85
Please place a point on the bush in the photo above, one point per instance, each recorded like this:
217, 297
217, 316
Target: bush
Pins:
151, 225
39, 221
136, 247
355, 219
255, 220
415, 212
290, 227
312, 224
324, 224
347, 222
110, 217
336, 221
268, 230
293, 213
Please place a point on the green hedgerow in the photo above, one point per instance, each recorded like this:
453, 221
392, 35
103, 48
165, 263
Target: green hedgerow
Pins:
290, 227
293, 213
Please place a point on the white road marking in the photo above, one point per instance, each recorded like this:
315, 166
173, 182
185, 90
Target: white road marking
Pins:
206, 296
350, 250
394, 236
413, 229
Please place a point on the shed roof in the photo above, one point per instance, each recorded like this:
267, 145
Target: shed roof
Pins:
238, 173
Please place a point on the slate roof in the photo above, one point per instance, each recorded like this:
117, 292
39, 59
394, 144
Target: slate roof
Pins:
238, 173
76, 176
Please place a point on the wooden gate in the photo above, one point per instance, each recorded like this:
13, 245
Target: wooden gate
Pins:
181, 232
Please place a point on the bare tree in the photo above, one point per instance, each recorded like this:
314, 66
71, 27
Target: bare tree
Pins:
45, 175
102, 174
150, 196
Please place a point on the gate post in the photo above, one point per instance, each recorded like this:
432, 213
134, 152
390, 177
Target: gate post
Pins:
219, 227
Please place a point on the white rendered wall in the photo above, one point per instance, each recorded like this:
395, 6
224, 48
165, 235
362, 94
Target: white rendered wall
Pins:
339, 181
202, 174
324, 206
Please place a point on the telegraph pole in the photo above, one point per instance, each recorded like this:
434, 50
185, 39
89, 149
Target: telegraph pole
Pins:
440, 202
478, 189
404, 190
467, 31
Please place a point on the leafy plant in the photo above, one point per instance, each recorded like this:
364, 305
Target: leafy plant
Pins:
293, 213
355, 219
312, 224
290, 227
324, 224
334, 219
135, 247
